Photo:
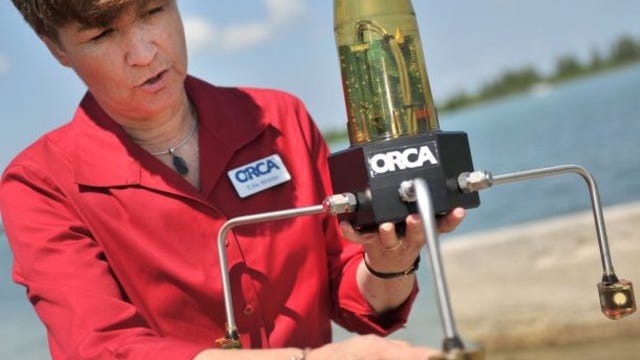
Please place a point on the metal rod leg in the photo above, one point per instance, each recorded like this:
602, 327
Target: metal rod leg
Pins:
616, 296
222, 252
425, 208
334, 204
605, 254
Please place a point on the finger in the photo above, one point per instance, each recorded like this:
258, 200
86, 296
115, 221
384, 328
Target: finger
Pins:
451, 221
415, 232
387, 236
408, 351
348, 231
430, 353
351, 234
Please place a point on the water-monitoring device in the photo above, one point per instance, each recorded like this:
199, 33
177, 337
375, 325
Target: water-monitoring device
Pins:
392, 122
400, 162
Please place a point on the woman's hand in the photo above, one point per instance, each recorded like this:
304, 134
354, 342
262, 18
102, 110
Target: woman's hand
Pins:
370, 347
394, 256
389, 253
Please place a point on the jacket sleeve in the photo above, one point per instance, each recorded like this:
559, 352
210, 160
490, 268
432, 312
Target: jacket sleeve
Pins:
68, 279
351, 309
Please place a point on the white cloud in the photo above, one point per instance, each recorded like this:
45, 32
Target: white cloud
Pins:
243, 36
199, 33
283, 12
203, 35
4, 64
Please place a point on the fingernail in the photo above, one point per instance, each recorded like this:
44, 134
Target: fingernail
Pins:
386, 227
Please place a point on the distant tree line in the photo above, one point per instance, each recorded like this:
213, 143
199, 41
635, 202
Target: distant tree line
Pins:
624, 51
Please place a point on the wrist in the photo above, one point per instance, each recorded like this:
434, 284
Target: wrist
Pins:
394, 274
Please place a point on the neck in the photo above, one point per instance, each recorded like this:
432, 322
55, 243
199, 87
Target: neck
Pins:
163, 132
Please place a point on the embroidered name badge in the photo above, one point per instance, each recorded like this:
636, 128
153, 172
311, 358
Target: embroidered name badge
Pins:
259, 175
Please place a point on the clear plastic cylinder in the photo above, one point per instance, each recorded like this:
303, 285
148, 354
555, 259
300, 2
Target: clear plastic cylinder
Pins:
384, 76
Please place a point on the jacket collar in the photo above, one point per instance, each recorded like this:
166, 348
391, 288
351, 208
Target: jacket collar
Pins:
105, 156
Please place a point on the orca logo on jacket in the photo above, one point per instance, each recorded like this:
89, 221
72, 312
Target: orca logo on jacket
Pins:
259, 175
402, 159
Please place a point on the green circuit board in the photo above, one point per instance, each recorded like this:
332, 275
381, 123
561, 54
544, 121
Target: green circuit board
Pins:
385, 89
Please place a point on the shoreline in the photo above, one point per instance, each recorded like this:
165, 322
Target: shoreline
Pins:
531, 288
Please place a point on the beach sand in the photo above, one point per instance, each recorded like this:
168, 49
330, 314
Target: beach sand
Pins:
529, 291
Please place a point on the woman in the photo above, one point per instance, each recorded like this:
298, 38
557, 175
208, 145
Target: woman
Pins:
112, 218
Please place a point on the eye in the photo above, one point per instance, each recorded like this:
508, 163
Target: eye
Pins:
101, 35
153, 11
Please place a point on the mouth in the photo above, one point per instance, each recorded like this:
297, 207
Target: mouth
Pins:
154, 79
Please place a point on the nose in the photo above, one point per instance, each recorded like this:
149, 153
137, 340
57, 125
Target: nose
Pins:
141, 49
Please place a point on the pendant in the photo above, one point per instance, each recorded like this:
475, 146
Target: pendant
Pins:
179, 164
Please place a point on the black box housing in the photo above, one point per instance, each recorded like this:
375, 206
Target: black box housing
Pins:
377, 192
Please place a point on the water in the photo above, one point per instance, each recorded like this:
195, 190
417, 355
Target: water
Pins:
590, 122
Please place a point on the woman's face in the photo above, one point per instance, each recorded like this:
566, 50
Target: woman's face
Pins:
135, 68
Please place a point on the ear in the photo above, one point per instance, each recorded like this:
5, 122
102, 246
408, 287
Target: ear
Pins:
56, 50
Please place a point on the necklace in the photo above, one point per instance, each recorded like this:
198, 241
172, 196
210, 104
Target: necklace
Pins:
178, 162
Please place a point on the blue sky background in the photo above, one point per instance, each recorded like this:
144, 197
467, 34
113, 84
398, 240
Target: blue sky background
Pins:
289, 44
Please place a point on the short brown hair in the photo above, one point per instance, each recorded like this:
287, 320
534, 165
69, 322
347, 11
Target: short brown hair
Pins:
46, 16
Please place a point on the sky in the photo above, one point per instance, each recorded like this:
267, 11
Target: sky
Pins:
289, 45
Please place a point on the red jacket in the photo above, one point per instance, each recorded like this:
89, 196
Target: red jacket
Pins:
118, 252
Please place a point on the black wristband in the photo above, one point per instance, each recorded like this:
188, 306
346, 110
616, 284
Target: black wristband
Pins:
382, 275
